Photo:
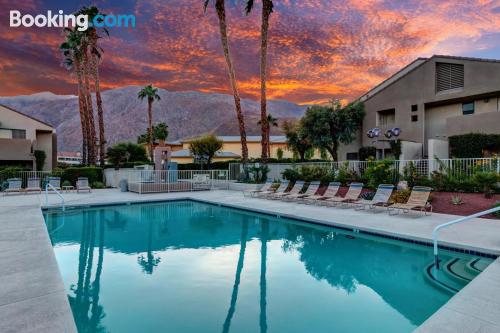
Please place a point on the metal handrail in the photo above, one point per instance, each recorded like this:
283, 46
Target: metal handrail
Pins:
435, 232
57, 192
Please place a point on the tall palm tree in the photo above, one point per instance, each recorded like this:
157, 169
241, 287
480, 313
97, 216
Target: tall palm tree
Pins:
90, 108
73, 59
96, 51
271, 121
221, 14
267, 9
264, 236
151, 93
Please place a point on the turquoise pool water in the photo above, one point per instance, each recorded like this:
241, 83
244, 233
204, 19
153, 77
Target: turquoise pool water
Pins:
191, 267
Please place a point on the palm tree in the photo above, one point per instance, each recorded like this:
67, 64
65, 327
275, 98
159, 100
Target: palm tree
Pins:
151, 93
271, 121
267, 9
71, 49
88, 97
264, 236
221, 14
96, 51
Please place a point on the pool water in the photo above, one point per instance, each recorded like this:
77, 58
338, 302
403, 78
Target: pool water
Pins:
185, 266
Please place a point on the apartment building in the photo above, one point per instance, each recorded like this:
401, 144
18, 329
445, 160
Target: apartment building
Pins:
430, 100
21, 135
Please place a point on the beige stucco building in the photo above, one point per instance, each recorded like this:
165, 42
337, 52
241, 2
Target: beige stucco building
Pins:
21, 135
430, 100
232, 148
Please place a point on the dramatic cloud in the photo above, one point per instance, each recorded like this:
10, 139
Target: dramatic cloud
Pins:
317, 49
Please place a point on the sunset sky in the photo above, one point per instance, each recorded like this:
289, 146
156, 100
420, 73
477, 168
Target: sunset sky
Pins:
318, 49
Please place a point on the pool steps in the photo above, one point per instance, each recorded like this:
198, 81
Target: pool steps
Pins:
455, 273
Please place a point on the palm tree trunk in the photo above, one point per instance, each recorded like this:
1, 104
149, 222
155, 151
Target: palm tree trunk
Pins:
90, 108
263, 283
266, 12
150, 127
82, 107
97, 89
221, 13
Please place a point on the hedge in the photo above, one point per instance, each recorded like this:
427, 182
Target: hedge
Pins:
472, 145
71, 174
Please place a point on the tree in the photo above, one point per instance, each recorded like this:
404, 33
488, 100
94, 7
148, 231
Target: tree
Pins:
40, 157
96, 51
160, 132
125, 152
221, 14
328, 126
151, 93
296, 139
267, 9
271, 121
204, 148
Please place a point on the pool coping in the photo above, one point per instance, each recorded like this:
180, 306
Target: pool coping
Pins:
450, 318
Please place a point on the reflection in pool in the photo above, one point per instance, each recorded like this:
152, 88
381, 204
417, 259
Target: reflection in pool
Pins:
185, 266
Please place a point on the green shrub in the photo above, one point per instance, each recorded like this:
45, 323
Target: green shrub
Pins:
94, 174
314, 173
40, 157
97, 185
279, 153
487, 181
66, 183
259, 173
379, 172
291, 174
125, 152
400, 196
472, 145
344, 175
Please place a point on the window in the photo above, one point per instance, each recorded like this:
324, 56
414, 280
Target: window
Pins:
386, 118
18, 134
352, 156
468, 108
414, 108
449, 76
414, 118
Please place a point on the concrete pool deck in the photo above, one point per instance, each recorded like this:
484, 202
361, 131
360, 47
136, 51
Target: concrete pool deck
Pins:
33, 297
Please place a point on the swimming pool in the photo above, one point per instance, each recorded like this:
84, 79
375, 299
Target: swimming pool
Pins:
186, 266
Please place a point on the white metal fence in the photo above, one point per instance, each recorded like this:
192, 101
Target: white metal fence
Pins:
150, 181
25, 175
463, 168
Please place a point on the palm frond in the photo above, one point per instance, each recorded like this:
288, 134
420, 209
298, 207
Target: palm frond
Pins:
248, 7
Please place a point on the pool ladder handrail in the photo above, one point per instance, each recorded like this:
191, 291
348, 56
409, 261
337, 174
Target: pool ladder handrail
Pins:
435, 232
56, 191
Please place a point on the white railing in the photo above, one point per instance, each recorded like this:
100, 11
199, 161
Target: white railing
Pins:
435, 232
57, 192
151, 181
25, 175
463, 168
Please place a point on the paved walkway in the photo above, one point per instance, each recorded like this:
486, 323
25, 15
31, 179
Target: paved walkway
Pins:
32, 296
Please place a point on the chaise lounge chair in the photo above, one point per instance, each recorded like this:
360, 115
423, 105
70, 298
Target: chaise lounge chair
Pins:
267, 187
15, 186
33, 185
296, 188
352, 195
380, 199
82, 184
419, 199
281, 188
331, 191
298, 197
55, 182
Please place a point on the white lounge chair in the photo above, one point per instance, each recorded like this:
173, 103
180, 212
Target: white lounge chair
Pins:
82, 184
281, 189
331, 191
380, 199
296, 188
298, 197
267, 187
55, 182
14, 186
352, 195
419, 199
33, 185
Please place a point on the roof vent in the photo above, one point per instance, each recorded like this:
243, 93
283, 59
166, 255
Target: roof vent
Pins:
449, 76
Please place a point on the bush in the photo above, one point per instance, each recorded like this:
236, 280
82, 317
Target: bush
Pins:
487, 181
66, 183
380, 172
314, 173
97, 185
344, 175
40, 157
291, 174
126, 152
472, 145
400, 196
71, 175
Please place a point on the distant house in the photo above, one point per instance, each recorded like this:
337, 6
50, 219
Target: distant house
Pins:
430, 100
69, 157
232, 148
21, 136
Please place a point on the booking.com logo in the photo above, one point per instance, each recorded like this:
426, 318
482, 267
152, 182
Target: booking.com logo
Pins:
62, 20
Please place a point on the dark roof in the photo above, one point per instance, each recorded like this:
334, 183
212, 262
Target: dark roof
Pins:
33, 118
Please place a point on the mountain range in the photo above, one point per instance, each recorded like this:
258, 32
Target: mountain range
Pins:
187, 114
